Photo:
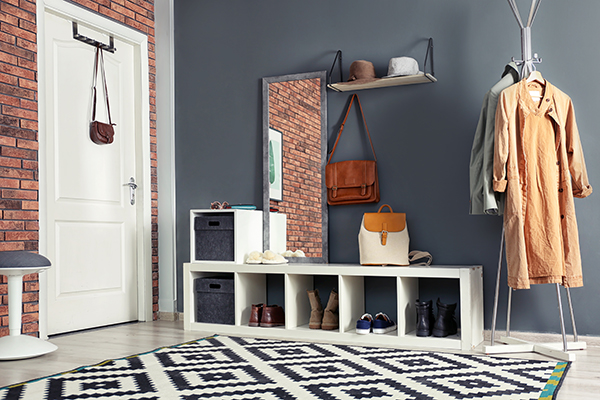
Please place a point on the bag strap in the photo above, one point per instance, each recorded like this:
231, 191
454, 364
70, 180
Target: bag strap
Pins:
100, 60
343, 123
386, 205
417, 255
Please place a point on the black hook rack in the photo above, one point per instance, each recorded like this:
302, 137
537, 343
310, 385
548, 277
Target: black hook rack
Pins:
110, 48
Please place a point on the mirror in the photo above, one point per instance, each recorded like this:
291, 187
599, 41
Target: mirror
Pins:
294, 158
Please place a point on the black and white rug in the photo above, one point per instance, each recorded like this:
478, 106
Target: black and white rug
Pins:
228, 368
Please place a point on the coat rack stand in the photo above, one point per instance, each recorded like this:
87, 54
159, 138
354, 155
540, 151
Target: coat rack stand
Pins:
513, 345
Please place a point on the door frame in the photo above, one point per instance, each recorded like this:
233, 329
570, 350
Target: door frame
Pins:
142, 148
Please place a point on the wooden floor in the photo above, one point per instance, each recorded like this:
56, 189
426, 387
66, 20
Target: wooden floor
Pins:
91, 347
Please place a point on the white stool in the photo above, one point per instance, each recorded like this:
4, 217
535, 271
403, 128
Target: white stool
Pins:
16, 264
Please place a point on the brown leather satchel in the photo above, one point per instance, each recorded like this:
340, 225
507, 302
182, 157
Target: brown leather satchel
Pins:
100, 132
355, 181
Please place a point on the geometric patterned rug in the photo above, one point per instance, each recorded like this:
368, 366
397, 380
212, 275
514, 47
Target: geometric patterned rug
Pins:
228, 368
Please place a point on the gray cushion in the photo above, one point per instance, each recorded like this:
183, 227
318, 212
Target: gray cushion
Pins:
20, 259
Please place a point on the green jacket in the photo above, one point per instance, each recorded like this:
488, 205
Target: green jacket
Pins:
483, 199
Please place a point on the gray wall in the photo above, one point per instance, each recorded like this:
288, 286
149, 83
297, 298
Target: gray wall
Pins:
422, 133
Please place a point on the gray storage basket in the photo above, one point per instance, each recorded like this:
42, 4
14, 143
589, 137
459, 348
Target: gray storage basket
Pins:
214, 236
214, 300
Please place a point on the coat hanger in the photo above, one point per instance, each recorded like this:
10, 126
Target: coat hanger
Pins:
536, 76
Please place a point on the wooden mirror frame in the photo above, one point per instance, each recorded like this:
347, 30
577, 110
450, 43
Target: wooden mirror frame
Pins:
322, 87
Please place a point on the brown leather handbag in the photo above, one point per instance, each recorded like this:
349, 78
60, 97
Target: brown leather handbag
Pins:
355, 181
100, 132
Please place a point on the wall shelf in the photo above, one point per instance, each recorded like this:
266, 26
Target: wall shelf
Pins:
384, 82
421, 77
250, 287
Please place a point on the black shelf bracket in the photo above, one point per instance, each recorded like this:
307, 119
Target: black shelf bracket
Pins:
107, 47
429, 55
338, 56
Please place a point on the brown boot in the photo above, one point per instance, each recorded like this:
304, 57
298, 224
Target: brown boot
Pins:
316, 313
330, 315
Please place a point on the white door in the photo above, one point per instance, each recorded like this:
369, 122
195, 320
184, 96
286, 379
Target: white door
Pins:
91, 223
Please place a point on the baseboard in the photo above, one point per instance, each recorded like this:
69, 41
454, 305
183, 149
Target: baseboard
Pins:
535, 337
170, 316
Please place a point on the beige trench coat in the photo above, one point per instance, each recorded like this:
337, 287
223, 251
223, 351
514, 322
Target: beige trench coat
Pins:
519, 118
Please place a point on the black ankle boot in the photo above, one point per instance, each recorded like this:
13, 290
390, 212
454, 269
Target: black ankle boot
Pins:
425, 318
445, 324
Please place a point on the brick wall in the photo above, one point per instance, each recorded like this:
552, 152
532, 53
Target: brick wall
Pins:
298, 118
19, 211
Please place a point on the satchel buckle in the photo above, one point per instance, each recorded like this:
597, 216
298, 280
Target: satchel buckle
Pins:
364, 189
334, 191
384, 235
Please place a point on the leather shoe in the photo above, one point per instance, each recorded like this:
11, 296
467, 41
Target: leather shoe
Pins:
272, 316
256, 314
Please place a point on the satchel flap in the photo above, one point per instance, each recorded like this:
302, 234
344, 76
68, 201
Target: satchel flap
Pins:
347, 174
391, 222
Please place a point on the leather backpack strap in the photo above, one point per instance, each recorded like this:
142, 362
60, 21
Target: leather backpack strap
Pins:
366, 127
344, 123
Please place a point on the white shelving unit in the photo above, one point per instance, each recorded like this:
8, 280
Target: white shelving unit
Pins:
247, 231
250, 287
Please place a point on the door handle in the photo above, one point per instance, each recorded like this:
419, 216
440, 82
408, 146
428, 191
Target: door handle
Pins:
132, 186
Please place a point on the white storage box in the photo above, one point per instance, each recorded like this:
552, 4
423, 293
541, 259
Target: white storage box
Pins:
225, 235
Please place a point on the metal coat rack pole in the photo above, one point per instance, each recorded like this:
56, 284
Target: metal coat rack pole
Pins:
514, 345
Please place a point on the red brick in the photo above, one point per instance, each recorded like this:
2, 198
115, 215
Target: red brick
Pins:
18, 153
31, 165
18, 32
15, 91
87, 3
19, 112
10, 183
122, 10
28, 5
10, 246
9, 162
27, 45
27, 84
110, 13
32, 225
8, 58
30, 328
30, 205
19, 194
29, 124
9, 100
10, 204
11, 225
17, 10
28, 144
27, 25
30, 185
21, 215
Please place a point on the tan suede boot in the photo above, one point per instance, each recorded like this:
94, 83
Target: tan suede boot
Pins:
316, 313
330, 315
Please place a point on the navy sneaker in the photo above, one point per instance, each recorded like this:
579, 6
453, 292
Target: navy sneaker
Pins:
364, 324
383, 324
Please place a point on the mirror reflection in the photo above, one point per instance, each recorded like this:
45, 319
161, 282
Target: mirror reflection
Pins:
294, 157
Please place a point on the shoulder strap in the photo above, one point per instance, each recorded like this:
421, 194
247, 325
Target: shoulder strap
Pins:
100, 60
344, 122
